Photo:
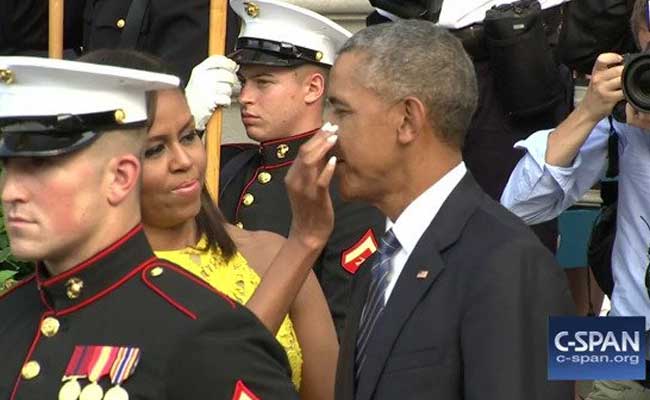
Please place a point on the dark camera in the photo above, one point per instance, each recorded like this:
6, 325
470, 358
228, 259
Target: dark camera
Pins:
636, 80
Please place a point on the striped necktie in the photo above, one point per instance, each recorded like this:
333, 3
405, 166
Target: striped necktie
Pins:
381, 273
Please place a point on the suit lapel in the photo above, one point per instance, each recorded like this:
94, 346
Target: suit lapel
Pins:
420, 272
407, 293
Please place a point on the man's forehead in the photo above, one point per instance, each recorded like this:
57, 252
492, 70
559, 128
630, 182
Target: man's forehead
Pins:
346, 68
248, 71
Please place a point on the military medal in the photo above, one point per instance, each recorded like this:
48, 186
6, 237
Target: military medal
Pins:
116, 393
125, 363
71, 388
92, 391
99, 365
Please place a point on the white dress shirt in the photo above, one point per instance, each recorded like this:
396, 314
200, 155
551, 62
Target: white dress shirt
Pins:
537, 191
416, 218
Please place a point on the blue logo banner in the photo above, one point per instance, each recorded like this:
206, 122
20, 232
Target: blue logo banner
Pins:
606, 348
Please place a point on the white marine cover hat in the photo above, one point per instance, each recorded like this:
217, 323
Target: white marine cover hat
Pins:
278, 33
50, 107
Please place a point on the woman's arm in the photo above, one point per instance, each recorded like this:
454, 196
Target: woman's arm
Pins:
317, 336
277, 295
308, 182
288, 283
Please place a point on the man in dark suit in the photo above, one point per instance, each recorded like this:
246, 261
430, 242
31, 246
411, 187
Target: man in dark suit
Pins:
455, 302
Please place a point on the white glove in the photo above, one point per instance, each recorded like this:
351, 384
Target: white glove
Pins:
210, 86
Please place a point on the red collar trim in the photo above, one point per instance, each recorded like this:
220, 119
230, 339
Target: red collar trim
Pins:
289, 139
92, 260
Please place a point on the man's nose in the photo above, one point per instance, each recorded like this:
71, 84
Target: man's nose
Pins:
11, 189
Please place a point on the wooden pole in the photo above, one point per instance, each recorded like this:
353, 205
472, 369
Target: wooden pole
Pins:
55, 27
216, 45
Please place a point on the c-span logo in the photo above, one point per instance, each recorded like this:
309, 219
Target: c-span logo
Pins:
585, 348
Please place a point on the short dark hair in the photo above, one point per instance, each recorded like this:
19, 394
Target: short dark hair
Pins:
210, 221
417, 58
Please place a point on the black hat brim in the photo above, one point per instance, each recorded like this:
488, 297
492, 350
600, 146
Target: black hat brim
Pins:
43, 144
260, 57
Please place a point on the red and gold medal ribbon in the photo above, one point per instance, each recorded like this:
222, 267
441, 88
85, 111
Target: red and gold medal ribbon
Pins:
77, 363
99, 365
101, 362
75, 370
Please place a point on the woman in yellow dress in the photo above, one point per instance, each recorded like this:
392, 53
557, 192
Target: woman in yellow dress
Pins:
183, 225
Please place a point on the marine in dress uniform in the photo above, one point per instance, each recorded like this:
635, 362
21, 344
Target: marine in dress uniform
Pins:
121, 324
252, 193
176, 31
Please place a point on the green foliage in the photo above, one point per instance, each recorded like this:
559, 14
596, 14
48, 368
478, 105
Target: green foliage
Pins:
10, 268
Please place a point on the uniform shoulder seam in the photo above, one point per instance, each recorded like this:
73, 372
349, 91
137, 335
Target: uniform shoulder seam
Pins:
146, 278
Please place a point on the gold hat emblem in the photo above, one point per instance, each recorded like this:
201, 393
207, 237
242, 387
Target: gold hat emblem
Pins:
319, 55
252, 9
119, 116
7, 76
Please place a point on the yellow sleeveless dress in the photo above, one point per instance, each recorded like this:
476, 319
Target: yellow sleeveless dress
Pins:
238, 280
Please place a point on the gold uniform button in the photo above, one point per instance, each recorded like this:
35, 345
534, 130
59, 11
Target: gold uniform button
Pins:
120, 23
30, 370
264, 178
157, 271
281, 151
50, 326
239, 225
73, 288
248, 199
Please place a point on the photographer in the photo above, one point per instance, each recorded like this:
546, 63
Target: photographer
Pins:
561, 165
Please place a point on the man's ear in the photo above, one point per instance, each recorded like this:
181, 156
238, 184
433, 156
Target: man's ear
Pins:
413, 119
315, 86
123, 177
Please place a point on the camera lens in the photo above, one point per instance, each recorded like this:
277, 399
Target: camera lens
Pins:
636, 81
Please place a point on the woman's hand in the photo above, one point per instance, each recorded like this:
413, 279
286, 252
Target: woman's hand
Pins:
308, 182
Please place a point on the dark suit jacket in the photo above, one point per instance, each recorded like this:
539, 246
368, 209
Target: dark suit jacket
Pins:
476, 326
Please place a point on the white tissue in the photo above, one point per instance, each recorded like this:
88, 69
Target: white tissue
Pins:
329, 127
